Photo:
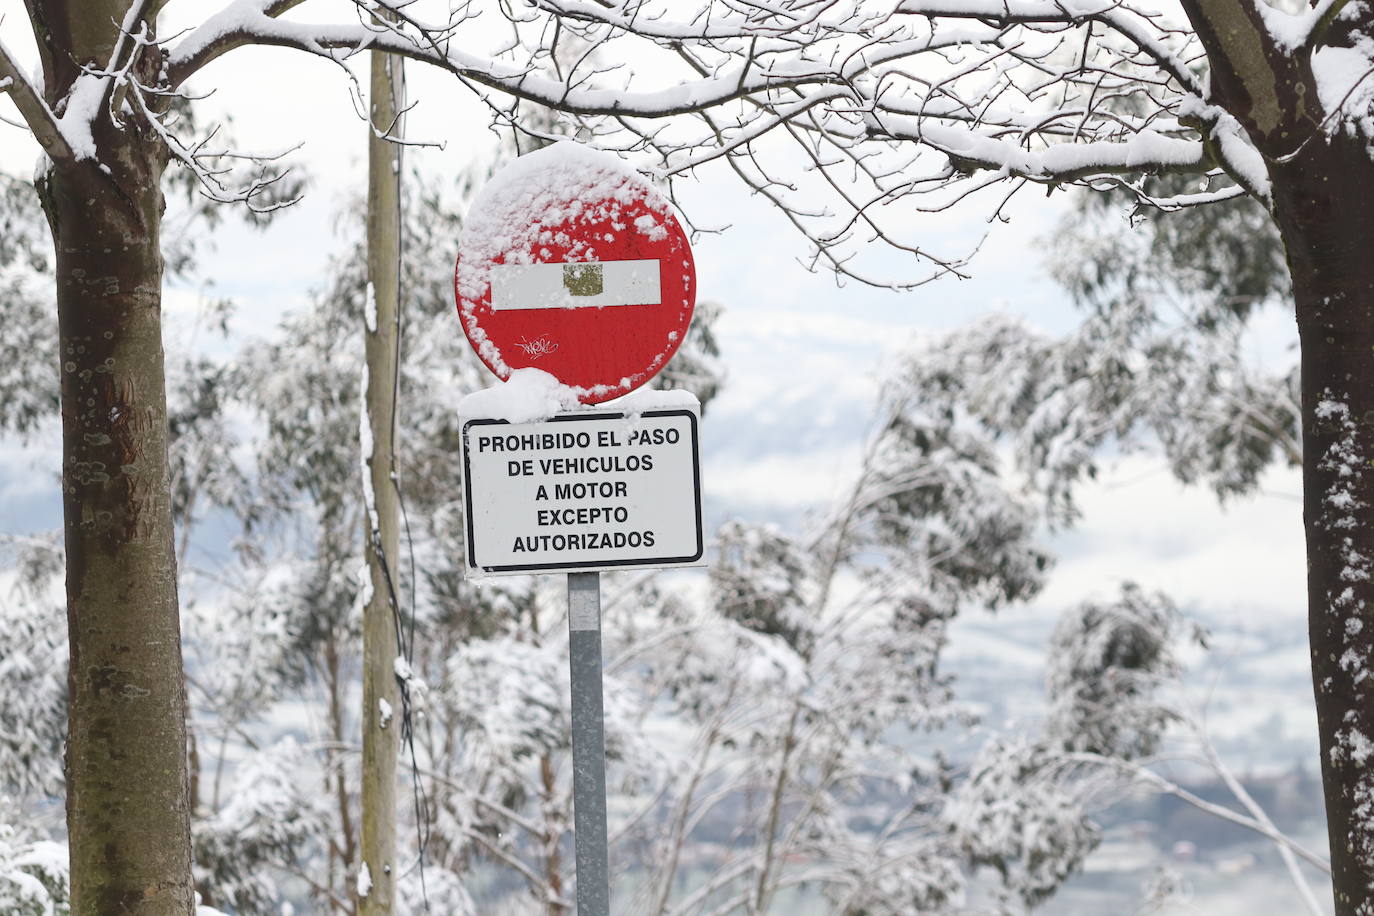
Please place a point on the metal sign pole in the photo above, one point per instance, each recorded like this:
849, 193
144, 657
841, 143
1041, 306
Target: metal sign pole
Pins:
588, 744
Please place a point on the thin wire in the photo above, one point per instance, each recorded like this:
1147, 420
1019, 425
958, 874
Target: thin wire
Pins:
407, 720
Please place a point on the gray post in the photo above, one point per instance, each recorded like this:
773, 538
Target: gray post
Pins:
588, 744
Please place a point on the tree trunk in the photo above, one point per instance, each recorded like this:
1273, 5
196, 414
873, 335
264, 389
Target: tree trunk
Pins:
128, 812
342, 849
553, 836
128, 815
381, 717
1327, 226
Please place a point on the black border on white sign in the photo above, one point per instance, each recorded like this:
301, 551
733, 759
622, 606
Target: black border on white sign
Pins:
564, 567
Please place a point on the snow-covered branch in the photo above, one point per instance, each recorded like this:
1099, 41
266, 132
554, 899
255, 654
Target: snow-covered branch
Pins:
886, 104
230, 28
249, 22
1141, 29
1146, 151
120, 63
1140, 770
203, 162
1310, 26
35, 111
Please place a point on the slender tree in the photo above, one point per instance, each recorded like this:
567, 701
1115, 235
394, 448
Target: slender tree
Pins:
128, 809
381, 714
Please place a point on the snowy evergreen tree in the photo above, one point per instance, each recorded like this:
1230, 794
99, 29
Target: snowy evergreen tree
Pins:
1106, 663
1017, 816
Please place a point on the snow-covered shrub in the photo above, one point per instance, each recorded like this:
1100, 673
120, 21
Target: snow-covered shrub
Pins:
757, 579
1106, 664
932, 503
916, 878
33, 672
1020, 815
272, 818
34, 880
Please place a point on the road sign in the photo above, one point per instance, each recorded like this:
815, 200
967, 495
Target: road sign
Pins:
574, 264
583, 491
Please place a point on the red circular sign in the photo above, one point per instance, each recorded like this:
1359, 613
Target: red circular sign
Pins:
573, 264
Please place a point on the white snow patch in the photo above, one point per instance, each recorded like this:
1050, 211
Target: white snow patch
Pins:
44, 855
774, 667
1344, 459
1354, 572
528, 396
1360, 746
364, 584
370, 308
384, 711
1344, 86
1232, 141
1289, 30
366, 452
364, 880
642, 399
651, 227
1143, 149
1329, 407
78, 118
414, 684
533, 395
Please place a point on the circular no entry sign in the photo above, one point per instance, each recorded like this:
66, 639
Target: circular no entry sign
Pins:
574, 264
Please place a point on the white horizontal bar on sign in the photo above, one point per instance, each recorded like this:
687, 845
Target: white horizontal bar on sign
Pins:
577, 284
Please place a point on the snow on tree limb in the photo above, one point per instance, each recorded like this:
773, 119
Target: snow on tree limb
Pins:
134, 18
790, 23
1312, 23
247, 23
1131, 24
234, 26
786, 64
883, 102
1146, 150
1252, 70
35, 111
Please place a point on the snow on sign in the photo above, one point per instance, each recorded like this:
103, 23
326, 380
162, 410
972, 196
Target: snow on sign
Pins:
574, 264
583, 491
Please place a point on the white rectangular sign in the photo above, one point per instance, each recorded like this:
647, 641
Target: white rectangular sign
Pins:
583, 491
579, 284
